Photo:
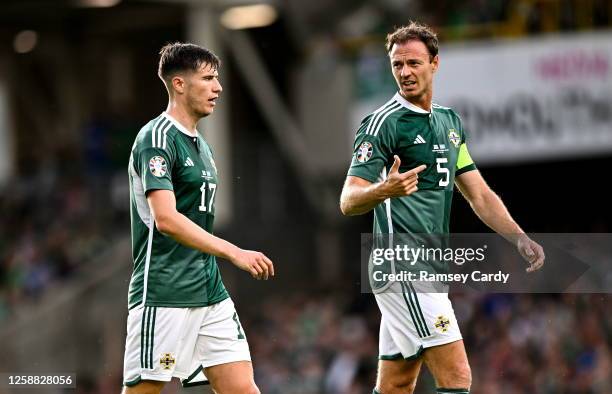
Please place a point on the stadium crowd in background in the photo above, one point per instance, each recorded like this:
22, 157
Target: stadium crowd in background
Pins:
44, 245
307, 343
303, 342
520, 344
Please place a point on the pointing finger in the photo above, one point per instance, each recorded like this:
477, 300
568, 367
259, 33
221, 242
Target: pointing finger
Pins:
414, 171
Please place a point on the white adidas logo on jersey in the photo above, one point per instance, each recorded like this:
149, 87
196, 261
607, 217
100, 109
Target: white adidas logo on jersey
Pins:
419, 140
189, 162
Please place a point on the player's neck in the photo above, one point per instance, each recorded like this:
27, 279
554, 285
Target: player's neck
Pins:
423, 102
182, 116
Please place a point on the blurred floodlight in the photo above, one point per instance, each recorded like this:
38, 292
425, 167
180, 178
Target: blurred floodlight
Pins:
98, 3
248, 16
25, 41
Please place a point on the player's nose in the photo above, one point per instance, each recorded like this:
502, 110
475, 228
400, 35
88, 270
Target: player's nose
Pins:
217, 88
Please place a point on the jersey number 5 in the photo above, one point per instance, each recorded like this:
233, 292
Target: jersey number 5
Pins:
208, 193
443, 170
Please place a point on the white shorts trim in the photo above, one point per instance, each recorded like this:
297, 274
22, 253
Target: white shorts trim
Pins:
412, 321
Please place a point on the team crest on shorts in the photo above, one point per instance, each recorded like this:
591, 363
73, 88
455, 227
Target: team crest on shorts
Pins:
442, 324
364, 152
157, 165
167, 361
454, 137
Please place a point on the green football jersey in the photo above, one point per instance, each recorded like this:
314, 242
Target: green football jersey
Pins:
166, 156
436, 139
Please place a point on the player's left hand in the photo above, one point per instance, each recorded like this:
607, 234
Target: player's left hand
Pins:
532, 252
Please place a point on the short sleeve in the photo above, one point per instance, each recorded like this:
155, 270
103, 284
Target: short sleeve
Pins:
372, 149
154, 166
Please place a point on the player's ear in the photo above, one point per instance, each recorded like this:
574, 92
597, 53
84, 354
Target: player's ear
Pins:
435, 63
178, 84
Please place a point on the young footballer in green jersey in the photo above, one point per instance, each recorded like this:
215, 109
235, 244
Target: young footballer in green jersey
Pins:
408, 155
181, 321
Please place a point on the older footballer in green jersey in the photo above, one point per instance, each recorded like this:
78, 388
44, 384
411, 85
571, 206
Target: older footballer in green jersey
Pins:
181, 321
408, 156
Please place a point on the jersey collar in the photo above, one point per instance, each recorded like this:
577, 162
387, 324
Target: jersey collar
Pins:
398, 97
179, 126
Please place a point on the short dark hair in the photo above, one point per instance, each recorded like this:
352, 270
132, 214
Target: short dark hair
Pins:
178, 56
414, 31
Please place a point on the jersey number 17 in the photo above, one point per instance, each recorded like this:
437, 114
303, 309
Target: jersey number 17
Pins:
208, 196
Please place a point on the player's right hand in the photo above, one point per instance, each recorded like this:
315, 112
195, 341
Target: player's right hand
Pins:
401, 184
255, 263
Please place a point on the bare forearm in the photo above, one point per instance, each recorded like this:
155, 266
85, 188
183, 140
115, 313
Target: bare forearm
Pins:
359, 200
492, 211
360, 195
186, 232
